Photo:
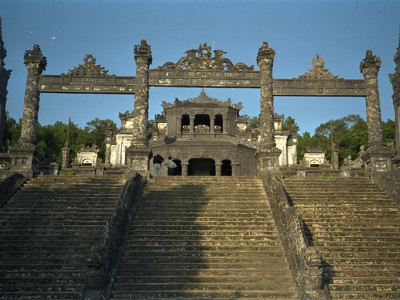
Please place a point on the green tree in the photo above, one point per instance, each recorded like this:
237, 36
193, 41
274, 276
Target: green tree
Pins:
254, 122
12, 131
95, 130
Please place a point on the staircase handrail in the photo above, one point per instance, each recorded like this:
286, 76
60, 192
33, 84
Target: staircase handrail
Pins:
104, 259
303, 258
9, 186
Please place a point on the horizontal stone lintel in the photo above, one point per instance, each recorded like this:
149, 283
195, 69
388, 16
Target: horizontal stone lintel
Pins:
92, 85
320, 88
221, 79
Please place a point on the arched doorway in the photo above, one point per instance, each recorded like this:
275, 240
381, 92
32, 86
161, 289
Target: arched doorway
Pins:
201, 167
226, 169
178, 169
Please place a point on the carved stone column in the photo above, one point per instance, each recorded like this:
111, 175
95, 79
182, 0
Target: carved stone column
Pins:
36, 63
4, 77
377, 157
142, 54
370, 67
267, 154
395, 80
137, 153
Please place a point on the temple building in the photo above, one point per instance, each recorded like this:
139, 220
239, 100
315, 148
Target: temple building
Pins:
205, 136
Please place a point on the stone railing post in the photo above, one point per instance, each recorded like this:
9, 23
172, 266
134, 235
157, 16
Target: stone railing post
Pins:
137, 153
36, 63
267, 153
377, 157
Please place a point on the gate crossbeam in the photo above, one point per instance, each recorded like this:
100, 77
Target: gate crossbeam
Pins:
87, 85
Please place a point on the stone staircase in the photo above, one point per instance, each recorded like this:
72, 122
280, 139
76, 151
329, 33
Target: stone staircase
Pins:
204, 237
46, 231
356, 229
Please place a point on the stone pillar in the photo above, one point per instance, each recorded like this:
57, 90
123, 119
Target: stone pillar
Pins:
224, 124
395, 80
212, 124
137, 153
36, 63
235, 167
191, 124
179, 125
267, 153
218, 168
370, 67
377, 157
184, 169
4, 77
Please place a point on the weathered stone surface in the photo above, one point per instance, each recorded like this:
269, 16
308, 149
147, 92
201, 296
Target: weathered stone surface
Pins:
143, 60
369, 67
36, 63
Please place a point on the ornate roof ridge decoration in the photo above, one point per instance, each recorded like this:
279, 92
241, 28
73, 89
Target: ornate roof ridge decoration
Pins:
202, 98
88, 69
126, 115
205, 61
318, 72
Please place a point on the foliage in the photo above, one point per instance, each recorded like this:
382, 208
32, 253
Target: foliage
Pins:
12, 131
254, 122
52, 138
348, 133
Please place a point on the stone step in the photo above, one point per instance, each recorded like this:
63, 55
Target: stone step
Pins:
40, 294
274, 278
206, 294
177, 241
188, 286
209, 238
365, 295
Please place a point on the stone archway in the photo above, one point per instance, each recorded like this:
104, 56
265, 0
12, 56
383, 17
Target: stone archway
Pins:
201, 69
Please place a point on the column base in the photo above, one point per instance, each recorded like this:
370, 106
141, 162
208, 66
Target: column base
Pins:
24, 159
268, 160
137, 160
378, 159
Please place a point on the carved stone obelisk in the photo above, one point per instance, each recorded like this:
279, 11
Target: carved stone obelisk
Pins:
377, 157
267, 154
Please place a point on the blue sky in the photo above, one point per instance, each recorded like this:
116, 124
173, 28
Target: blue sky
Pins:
340, 31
